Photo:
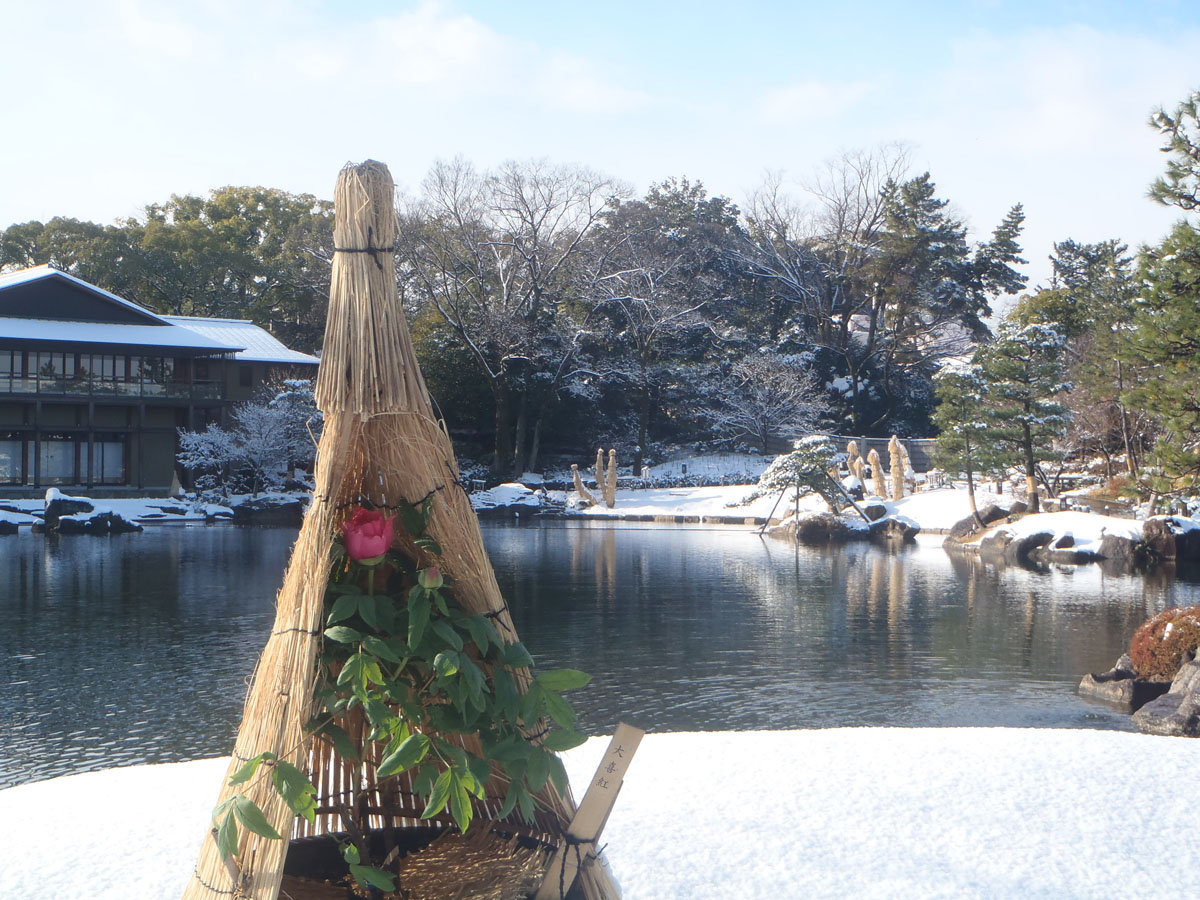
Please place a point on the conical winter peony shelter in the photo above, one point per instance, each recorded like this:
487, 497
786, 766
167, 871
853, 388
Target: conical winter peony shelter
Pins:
383, 450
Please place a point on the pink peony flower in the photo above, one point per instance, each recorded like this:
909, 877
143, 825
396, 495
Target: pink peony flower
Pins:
368, 535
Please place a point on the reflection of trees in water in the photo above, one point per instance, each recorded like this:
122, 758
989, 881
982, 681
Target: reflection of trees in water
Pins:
721, 628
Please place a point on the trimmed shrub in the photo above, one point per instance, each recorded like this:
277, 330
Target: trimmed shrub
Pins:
1160, 645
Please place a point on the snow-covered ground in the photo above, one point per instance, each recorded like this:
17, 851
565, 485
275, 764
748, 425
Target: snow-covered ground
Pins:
837, 813
934, 510
1086, 530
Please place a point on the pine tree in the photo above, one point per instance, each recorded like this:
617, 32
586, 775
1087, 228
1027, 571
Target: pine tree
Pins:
962, 444
1180, 186
1166, 340
1026, 374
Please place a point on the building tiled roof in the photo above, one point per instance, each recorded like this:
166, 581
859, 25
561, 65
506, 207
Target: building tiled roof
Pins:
258, 344
168, 336
239, 337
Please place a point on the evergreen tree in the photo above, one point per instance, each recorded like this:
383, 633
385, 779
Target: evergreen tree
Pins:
1026, 376
1090, 300
1166, 340
1180, 185
962, 445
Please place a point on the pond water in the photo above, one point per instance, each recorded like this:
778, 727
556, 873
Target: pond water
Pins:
138, 648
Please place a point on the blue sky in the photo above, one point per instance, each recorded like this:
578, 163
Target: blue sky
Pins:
120, 103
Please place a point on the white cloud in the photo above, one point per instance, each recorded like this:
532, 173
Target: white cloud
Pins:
577, 84
810, 100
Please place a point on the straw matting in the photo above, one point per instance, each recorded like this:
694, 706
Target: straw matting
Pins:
381, 445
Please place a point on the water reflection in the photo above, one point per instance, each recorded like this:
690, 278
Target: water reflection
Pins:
139, 647
131, 648
707, 629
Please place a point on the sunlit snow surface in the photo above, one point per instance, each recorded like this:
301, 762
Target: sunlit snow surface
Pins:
862, 812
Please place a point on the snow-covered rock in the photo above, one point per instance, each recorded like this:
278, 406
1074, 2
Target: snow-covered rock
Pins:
509, 499
99, 521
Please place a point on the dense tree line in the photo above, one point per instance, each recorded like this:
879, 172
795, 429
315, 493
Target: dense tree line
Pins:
555, 311
552, 309
1101, 364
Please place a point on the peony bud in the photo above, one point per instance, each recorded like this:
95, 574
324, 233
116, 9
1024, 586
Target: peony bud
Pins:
431, 578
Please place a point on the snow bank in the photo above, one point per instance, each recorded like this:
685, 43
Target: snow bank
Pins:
700, 501
940, 509
960, 812
1086, 529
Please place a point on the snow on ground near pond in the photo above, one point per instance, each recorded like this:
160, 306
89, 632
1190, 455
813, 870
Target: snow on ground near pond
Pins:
1087, 529
935, 510
698, 501
845, 812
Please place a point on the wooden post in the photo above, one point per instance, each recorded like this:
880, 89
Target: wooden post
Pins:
579, 847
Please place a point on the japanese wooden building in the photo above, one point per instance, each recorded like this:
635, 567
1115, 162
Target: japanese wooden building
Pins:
94, 387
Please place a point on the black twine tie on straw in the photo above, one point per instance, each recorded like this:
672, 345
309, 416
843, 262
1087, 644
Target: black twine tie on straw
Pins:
374, 251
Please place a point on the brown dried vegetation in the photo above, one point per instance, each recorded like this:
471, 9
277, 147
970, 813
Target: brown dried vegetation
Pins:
1162, 644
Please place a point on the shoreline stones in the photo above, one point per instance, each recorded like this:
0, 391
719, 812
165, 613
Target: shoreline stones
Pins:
1177, 712
1120, 686
269, 511
815, 528
97, 523
1163, 539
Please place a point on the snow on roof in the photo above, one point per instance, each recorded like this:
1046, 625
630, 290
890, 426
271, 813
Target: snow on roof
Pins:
167, 335
254, 344
38, 273
242, 337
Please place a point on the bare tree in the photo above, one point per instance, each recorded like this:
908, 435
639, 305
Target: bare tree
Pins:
768, 396
495, 254
815, 255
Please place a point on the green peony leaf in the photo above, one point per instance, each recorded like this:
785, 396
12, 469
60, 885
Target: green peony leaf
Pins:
345, 747
227, 836
373, 877
560, 710
538, 770
446, 663
516, 655
252, 818
563, 739
439, 796
246, 772
447, 633
343, 634
297, 791
418, 619
410, 752
343, 608
366, 609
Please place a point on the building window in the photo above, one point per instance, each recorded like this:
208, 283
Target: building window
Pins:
108, 459
12, 457
58, 459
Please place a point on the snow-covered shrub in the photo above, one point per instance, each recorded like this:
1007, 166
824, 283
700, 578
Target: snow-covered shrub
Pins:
265, 439
1160, 645
805, 470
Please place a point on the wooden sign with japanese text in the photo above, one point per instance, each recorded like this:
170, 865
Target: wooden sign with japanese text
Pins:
579, 848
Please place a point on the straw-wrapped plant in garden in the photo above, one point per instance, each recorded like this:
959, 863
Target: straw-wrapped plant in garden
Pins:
405, 678
393, 697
